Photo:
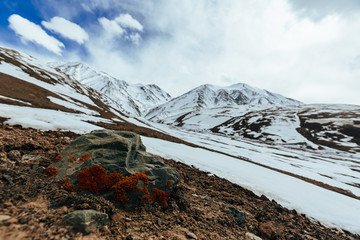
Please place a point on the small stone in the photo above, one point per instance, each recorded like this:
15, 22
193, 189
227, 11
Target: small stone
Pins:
106, 229
129, 237
190, 235
267, 230
3, 156
30, 159
4, 218
86, 221
239, 215
14, 155
251, 236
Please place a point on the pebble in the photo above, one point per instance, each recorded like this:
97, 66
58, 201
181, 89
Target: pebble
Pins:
4, 217
14, 155
251, 236
190, 235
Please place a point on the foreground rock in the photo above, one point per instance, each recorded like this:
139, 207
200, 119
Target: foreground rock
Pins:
86, 221
119, 151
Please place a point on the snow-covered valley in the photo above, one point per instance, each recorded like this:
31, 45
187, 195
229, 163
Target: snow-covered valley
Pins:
263, 141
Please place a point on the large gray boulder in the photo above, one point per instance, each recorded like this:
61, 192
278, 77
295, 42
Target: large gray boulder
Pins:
119, 151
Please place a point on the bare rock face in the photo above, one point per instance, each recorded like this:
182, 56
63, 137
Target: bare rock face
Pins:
119, 151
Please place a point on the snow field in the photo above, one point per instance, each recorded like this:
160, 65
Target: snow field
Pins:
328, 207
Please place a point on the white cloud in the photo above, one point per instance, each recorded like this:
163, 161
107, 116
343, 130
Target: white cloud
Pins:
111, 27
66, 29
135, 38
262, 43
124, 25
29, 31
127, 21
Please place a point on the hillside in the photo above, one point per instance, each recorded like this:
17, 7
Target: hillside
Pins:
33, 204
295, 154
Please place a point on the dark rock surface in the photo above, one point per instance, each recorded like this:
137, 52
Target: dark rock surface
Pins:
238, 215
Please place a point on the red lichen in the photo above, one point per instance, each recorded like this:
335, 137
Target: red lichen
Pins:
51, 171
93, 179
58, 158
66, 184
160, 197
130, 183
84, 157
113, 178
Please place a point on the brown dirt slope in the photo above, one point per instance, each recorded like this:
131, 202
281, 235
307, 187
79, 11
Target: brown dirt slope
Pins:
36, 203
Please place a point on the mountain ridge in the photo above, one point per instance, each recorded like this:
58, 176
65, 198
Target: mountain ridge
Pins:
135, 98
210, 96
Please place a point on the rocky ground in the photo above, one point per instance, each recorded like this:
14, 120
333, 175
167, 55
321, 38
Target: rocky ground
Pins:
33, 205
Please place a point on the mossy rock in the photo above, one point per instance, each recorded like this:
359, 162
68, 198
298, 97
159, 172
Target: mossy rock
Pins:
119, 151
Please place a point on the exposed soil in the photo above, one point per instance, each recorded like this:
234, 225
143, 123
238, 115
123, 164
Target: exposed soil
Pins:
36, 204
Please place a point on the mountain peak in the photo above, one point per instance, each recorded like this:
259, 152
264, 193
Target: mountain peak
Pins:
210, 96
135, 99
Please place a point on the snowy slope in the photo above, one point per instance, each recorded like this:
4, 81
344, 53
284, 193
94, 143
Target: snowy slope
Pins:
210, 96
135, 99
35, 95
313, 126
330, 208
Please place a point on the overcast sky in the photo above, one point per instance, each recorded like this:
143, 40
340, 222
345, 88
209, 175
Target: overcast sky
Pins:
307, 50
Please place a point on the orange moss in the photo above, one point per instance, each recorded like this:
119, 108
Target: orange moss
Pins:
93, 179
66, 184
160, 197
113, 178
130, 184
51, 171
84, 157
58, 158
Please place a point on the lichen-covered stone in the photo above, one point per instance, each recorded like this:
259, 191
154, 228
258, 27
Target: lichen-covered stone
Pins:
119, 151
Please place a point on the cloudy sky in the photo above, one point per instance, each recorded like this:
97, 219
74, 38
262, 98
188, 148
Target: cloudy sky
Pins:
307, 50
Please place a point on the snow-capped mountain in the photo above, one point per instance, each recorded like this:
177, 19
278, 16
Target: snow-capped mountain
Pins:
135, 99
209, 96
241, 133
